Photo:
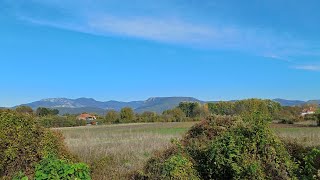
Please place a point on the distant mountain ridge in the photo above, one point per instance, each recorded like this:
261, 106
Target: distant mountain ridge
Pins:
285, 102
155, 104
76, 106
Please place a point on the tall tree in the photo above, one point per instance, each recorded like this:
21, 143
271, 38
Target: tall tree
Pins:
24, 110
191, 109
174, 115
222, 108
318, 116
42, 111
127, 115
112, 116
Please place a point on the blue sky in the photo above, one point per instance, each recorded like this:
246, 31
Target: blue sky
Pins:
134, 49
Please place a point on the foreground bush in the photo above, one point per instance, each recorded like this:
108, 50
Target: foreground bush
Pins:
169, 164
52, 168
224, 147
23, 143
308, 159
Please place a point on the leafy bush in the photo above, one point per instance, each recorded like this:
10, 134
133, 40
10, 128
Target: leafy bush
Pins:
310, 117
178, 167
286, 121
224, 147
23, 143
246, 107
52, 168
311, 169
247, 152
169, 164
60, 121
317, 115
20, 176
308, 159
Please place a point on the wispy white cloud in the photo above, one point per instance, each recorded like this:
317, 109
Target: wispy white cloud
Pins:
179, 31
173, 29
308, 67
164, 30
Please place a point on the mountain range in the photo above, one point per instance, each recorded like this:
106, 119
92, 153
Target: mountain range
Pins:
76, 106
155, 104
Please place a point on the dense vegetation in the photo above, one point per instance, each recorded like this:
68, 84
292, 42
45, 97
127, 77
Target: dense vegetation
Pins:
232, 147
185, 111
24, 143
233, 142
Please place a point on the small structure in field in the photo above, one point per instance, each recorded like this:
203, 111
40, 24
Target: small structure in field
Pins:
307, 111
87, 117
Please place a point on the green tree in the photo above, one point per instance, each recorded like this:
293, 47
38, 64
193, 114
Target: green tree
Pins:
127, 115
41, 111
149, 117
112, 116
318, 116
174, 115
24, 110
221, 108
191, 109
290, 114
249, 107
54, 112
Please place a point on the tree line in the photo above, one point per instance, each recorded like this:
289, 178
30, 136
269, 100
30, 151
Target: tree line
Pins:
185, 111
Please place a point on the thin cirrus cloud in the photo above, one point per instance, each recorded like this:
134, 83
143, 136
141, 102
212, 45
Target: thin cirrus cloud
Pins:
177, 31
308, 67
172, 29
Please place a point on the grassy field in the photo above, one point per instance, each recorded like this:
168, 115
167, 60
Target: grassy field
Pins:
308, 136
116, 150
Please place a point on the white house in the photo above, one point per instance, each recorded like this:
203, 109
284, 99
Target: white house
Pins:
307, 111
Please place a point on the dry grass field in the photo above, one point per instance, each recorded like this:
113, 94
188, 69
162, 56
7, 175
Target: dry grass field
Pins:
113, 151
301, 133
116, 150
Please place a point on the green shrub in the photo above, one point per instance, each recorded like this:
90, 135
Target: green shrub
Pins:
60, 121
52, 168
308, 159
247, 152
224, 147
178, 167
168, 164
20, 176
311, 169
310, 117
317, 117
23, 143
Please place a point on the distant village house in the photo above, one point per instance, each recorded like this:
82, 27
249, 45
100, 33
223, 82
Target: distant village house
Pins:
86, 117
309, 110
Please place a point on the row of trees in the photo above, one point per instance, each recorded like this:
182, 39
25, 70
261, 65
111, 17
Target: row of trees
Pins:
193, 111
41, 111
267, 108
49, 118
127, 115
185, 111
